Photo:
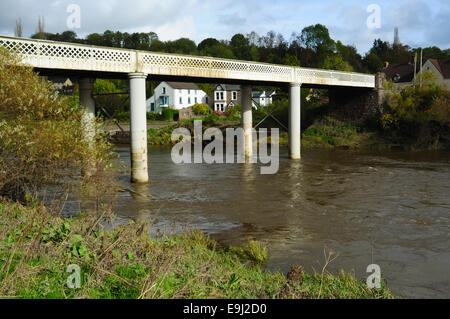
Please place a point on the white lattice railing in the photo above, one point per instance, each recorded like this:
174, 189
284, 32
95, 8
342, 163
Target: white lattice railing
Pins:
68, 56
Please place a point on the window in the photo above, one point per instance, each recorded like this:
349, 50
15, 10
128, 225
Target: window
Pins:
189, 91
206, 100
163, 100
152, 107
163, 90
189, 100
195, 100
234, 95
219, 96
181, 100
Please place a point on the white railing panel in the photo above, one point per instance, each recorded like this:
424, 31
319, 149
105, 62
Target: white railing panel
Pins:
69, 56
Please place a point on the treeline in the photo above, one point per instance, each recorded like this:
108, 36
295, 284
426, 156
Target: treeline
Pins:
312, 47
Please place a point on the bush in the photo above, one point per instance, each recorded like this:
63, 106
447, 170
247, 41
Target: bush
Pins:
414, 103
152, 116
218, 112
169, 114
43, 138
233, 112
123, 116
201, 109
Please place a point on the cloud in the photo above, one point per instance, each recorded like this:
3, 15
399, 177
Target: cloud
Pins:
421, 23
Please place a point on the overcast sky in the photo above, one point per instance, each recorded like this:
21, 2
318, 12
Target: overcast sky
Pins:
420, 22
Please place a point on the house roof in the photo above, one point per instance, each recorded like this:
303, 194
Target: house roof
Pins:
405, 72
183, 85
229, 87
443, 66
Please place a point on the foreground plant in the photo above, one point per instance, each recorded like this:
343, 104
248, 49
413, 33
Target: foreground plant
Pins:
36, 249
45, 141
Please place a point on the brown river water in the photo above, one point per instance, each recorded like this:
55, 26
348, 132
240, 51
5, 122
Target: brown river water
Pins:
391, 209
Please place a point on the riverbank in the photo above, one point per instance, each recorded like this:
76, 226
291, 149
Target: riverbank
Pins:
36, 249
326, 133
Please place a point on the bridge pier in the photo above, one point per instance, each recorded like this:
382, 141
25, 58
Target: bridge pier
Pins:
246, 120
86, 89
138, 128
294, 120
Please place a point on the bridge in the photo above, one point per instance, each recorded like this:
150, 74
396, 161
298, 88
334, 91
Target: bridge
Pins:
86, 62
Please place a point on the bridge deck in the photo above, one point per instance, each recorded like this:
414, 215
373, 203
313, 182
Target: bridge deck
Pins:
44, 54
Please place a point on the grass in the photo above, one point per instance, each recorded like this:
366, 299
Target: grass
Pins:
329, 133
36, 248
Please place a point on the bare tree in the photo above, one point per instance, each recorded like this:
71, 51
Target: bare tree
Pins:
41, 28
18, 30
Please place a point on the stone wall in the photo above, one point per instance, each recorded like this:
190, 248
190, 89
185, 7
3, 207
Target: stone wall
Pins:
358, 105
187, 113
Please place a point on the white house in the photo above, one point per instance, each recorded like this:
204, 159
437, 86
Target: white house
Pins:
440, 69
262, 98
176, 95
226, 95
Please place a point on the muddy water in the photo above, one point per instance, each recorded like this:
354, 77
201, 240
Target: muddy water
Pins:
392, 209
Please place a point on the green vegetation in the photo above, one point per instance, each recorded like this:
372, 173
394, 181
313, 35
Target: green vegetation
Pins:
201, 109
45, 139
36, 248
327, 133
160, 135
169, 114
419, 115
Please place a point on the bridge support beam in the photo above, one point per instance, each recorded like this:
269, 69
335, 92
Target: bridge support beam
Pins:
138, 128
246, 120
86, 89
294, 120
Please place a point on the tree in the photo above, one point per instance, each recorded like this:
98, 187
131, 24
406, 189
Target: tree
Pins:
208, 42
335, 62
240, 47
182, 45
373, 63
40, 32
350, 55
317, 39
94, 39
18, 30
291, 60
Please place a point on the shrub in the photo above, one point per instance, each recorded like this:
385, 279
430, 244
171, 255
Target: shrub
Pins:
169, 114
233, 112
414, 102
123, 116
43, 138
201, 109
152, 116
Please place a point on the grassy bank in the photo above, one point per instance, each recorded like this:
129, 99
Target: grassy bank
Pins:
36, 248
326, 133
329, 133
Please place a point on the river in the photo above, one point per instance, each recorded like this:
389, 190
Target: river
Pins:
390, 209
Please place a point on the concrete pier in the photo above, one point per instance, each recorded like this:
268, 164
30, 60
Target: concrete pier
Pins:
246, 119
294, 120
86, 89
138, 128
